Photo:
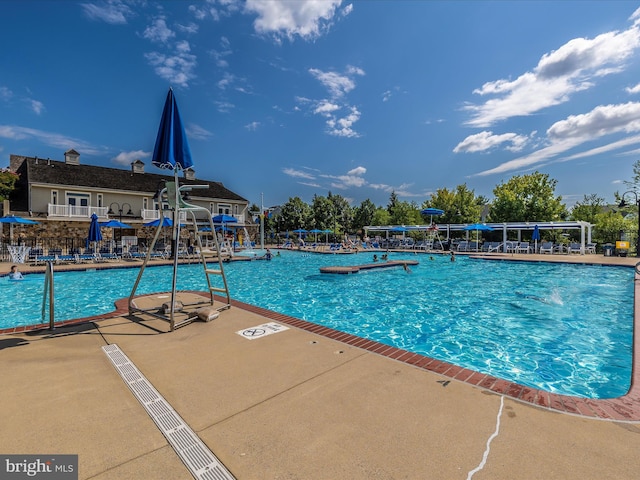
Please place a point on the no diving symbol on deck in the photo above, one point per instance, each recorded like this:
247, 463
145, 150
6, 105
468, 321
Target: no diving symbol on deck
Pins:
262, 330
253, 332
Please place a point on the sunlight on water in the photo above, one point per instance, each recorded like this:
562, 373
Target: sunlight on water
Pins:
563, 328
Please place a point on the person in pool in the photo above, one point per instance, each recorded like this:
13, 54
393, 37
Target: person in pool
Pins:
14, 274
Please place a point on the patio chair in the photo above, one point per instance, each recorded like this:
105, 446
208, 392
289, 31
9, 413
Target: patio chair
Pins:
523, 247
574, 248
546, 247
591, 248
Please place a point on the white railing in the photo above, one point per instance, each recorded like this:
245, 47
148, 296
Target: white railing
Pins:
76, 211
151, 215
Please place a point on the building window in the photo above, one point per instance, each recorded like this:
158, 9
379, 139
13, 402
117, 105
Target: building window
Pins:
212, 207
100, 200
145, 203
54, 197
78, 199
224, 209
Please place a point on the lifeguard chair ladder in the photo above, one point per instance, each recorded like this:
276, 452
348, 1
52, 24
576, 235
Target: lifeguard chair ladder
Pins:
433, 236
173, 194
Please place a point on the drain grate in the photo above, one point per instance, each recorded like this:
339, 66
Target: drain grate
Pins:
201, 461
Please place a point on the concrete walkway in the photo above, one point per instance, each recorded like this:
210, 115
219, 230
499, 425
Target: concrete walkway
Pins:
291, 405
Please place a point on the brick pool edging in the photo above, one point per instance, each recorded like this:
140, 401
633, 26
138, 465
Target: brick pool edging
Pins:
625, 408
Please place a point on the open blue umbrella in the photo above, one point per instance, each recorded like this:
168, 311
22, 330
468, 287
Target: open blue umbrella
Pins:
316, 231
114, 224
12, 219
172, 148
432, 211
224, 219
95, 234
166, 222
479, 227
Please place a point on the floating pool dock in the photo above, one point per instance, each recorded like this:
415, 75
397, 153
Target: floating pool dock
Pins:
368, 266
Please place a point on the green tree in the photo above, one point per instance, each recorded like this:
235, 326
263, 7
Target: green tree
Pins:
587, 209
635, 183
381, 217
343, 213
7, 183
363, 214
295, 214
608, 226
527, 198
460, 205
322, 213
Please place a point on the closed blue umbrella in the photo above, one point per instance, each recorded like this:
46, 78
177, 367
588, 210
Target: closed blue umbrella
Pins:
172, 148
535, 236
95, 234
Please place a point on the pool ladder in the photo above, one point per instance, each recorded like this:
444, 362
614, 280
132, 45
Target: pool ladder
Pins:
48, 291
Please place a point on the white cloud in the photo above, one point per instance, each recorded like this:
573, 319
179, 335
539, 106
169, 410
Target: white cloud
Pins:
337, 84
307, 19
324, 107
158, 31
126, 158
578, 129
36, 106
252, 127
342, 127
5, 93
353, 178
197, 132
177, 68
573, 67
485, 140
634, 89
114, 12
298, 173
49, 138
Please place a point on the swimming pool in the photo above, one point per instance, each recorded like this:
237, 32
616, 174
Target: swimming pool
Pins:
559, 327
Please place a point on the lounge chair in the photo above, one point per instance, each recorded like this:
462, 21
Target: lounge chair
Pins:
546, 247
591, 248
574, 248
523, 247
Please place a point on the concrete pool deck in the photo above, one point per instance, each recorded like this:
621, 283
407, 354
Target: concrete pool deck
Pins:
291, 405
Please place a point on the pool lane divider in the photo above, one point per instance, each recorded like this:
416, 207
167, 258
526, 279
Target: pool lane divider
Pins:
345, 270
193, 452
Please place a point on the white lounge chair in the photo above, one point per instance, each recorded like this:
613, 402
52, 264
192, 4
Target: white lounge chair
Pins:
523, 247
546, 247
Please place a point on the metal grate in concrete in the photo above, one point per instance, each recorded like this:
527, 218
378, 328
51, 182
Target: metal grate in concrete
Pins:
200, 461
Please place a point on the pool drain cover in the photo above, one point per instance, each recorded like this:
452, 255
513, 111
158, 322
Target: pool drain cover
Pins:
201, 461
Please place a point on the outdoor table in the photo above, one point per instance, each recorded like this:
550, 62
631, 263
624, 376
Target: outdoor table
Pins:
18, 253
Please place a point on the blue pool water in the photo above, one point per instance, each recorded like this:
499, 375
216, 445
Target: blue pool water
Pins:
563, 328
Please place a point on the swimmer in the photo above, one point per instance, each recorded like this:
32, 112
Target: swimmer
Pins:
453, 256
375, 258
14, 274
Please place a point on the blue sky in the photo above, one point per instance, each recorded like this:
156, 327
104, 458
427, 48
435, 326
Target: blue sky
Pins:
362, 98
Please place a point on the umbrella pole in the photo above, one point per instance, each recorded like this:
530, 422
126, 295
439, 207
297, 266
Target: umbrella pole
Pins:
175, 234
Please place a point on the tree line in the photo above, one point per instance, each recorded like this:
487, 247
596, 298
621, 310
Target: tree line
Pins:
522, 198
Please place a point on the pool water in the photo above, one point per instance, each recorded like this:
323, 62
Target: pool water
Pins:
559, 327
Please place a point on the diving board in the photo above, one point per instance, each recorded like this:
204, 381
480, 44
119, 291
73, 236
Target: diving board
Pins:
368, 266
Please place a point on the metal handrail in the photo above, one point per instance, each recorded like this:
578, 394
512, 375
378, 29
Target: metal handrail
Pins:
48, 288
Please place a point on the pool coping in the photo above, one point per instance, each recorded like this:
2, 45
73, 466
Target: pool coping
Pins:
623, 408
